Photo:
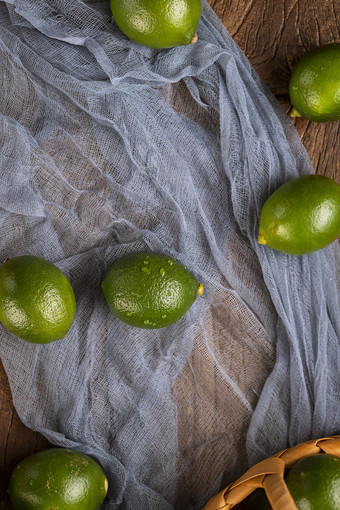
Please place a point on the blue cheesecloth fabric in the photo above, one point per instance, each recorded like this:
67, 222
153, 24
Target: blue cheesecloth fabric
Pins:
110, 148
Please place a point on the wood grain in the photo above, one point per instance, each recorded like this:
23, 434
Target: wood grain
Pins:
273, 34
16, 440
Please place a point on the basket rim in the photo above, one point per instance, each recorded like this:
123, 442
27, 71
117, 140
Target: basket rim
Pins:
269, 475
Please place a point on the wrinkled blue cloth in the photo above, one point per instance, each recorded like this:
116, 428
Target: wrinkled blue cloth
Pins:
109, 148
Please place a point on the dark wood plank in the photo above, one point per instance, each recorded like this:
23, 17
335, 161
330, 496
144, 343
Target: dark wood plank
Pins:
16, 440
273, 34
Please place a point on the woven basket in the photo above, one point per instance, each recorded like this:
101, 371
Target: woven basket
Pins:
269, 474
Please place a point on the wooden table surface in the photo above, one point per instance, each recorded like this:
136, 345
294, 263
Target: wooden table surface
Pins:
273, 34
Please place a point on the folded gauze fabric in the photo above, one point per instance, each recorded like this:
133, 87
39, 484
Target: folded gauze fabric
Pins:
110, 148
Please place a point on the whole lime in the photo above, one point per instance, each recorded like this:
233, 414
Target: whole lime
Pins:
37, 302
302, 215
149, 290
314, 482
57, 478
314, 86
158, 23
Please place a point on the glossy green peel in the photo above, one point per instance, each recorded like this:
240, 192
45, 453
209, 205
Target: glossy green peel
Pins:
37, 303
149, 290
301, 216
57, 479
158, 23
314, 87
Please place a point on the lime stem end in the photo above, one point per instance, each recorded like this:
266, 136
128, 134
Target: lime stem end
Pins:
261, 239
200, 290
294, 113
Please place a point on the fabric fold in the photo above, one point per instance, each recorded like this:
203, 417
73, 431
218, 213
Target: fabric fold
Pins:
110, 148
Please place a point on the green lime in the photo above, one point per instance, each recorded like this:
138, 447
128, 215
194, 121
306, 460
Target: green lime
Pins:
314, 87
314, 482
302, 215
37, 302
158, 23
149, 290
57, 479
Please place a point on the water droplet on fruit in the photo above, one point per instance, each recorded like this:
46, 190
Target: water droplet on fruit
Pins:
170, 262
145, 269
145, 262
162, 271
163, 316
128, 314
146, 321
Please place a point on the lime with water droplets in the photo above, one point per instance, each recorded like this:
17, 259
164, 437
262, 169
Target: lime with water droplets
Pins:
149, 290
